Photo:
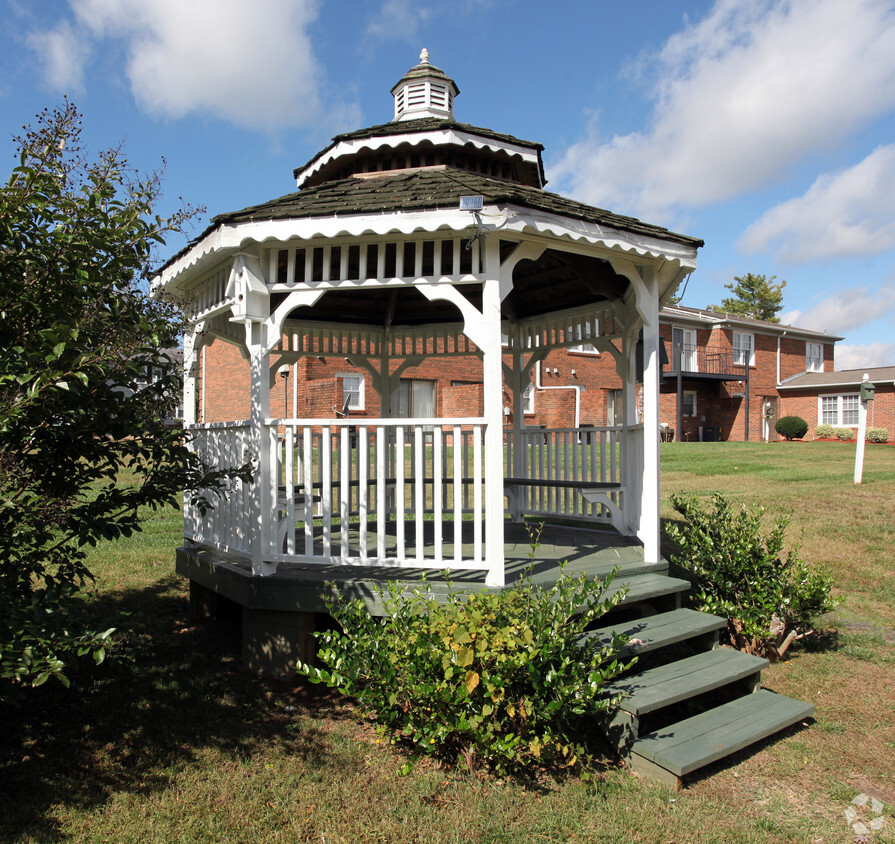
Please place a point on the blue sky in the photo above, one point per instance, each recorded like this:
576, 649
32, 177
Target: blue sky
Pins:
765, 127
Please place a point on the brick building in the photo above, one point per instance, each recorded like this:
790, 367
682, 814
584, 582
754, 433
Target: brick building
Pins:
720, 371
831, 398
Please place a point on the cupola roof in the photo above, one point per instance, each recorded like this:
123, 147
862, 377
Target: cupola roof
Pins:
424, 91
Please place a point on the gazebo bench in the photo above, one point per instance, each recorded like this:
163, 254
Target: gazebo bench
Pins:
593, 492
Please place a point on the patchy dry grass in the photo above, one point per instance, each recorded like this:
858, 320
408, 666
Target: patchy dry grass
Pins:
178, 746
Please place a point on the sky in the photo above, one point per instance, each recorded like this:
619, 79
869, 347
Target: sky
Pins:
764, 127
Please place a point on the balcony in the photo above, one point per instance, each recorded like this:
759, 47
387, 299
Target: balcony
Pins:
694, 362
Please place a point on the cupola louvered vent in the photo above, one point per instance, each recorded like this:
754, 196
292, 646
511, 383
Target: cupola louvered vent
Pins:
425, 91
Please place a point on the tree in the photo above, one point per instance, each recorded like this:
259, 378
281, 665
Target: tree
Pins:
79, 332
756, 296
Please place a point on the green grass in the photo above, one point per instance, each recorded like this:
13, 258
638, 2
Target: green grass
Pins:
179, 746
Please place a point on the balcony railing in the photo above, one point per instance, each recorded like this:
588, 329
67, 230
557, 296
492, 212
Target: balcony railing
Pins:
695, 360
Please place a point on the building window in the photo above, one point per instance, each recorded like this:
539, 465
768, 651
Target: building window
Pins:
352, 391
839, 410
584, 331
688, 403
814, 357
615, 404
528, 399
743, 349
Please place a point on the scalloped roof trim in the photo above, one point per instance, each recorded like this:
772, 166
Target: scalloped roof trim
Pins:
439, 137
234, 238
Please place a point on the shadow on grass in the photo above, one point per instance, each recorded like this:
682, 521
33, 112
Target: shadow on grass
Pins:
133, 725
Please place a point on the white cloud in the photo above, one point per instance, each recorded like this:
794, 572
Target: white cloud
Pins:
740, 97
63, 54
252, 64
864, 356
399, 19
842, 214
845, 310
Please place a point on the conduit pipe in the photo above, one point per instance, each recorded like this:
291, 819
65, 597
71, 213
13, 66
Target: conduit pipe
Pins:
577, 390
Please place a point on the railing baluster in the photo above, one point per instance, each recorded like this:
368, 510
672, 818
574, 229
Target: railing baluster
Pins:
477, 514
437, 492
344, 455
326, 490
381, 515
399, 493
419, 487
458, 494
363, 487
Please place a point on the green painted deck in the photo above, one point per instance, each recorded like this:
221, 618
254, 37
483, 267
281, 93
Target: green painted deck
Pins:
306, 588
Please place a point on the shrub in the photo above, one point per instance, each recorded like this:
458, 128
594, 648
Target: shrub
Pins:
845, 433
501, 679
791, 427
877, 435
824, 432
768, 598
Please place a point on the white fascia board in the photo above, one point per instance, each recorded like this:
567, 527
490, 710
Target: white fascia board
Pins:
576, 235
555, 226
440, 137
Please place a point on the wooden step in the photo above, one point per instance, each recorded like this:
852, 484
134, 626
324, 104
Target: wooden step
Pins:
657, 631
647, 587
679, 749
685, 678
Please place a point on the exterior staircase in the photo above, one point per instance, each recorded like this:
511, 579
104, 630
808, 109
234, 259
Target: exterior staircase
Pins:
687, 702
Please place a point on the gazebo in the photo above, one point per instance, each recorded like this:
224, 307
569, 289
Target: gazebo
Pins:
428, 238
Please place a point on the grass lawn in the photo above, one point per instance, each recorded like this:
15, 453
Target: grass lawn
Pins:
178, 746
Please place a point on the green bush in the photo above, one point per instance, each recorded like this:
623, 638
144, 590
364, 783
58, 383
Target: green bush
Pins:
500, 679
877, 435
791, 427
769, 598
824, 432
845, 433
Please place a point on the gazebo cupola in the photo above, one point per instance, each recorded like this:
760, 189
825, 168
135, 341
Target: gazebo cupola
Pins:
424, 91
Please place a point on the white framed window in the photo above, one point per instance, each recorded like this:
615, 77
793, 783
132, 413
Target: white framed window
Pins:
352, 390
743, 349
581, 332
840, 410
528, 399
688, 403
814, 357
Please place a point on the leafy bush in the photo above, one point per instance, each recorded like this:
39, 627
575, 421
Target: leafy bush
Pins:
791, 427
845, 433
824, 432
501, 679
877, 435
739, 572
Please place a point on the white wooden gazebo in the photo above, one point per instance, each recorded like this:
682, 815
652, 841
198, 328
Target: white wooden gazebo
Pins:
417, 238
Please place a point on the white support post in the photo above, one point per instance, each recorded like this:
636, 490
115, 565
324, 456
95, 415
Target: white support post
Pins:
650, 493
492, 386
262, 505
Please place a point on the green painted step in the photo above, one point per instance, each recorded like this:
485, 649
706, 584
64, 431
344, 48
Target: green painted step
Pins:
695, 742
657, 631
685, 678
645, 587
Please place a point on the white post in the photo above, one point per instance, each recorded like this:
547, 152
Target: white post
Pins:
649, 509
492, 386
862, 434
260, 517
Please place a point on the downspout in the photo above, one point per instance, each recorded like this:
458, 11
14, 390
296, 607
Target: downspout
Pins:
562, 387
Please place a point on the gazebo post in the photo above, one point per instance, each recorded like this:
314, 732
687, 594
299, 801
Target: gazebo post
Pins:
492, 387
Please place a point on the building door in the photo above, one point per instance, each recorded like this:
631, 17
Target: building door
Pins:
683, 343
768, 417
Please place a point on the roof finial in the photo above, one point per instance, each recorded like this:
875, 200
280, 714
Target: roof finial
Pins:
424, 56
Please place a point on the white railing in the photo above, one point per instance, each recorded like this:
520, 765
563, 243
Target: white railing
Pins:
396, 492
377, 492
227, 525
575, 456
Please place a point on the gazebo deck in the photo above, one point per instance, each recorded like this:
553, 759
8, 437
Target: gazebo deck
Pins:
300, 587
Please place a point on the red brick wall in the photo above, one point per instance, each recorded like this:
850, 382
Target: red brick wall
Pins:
459, 390
880, 412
